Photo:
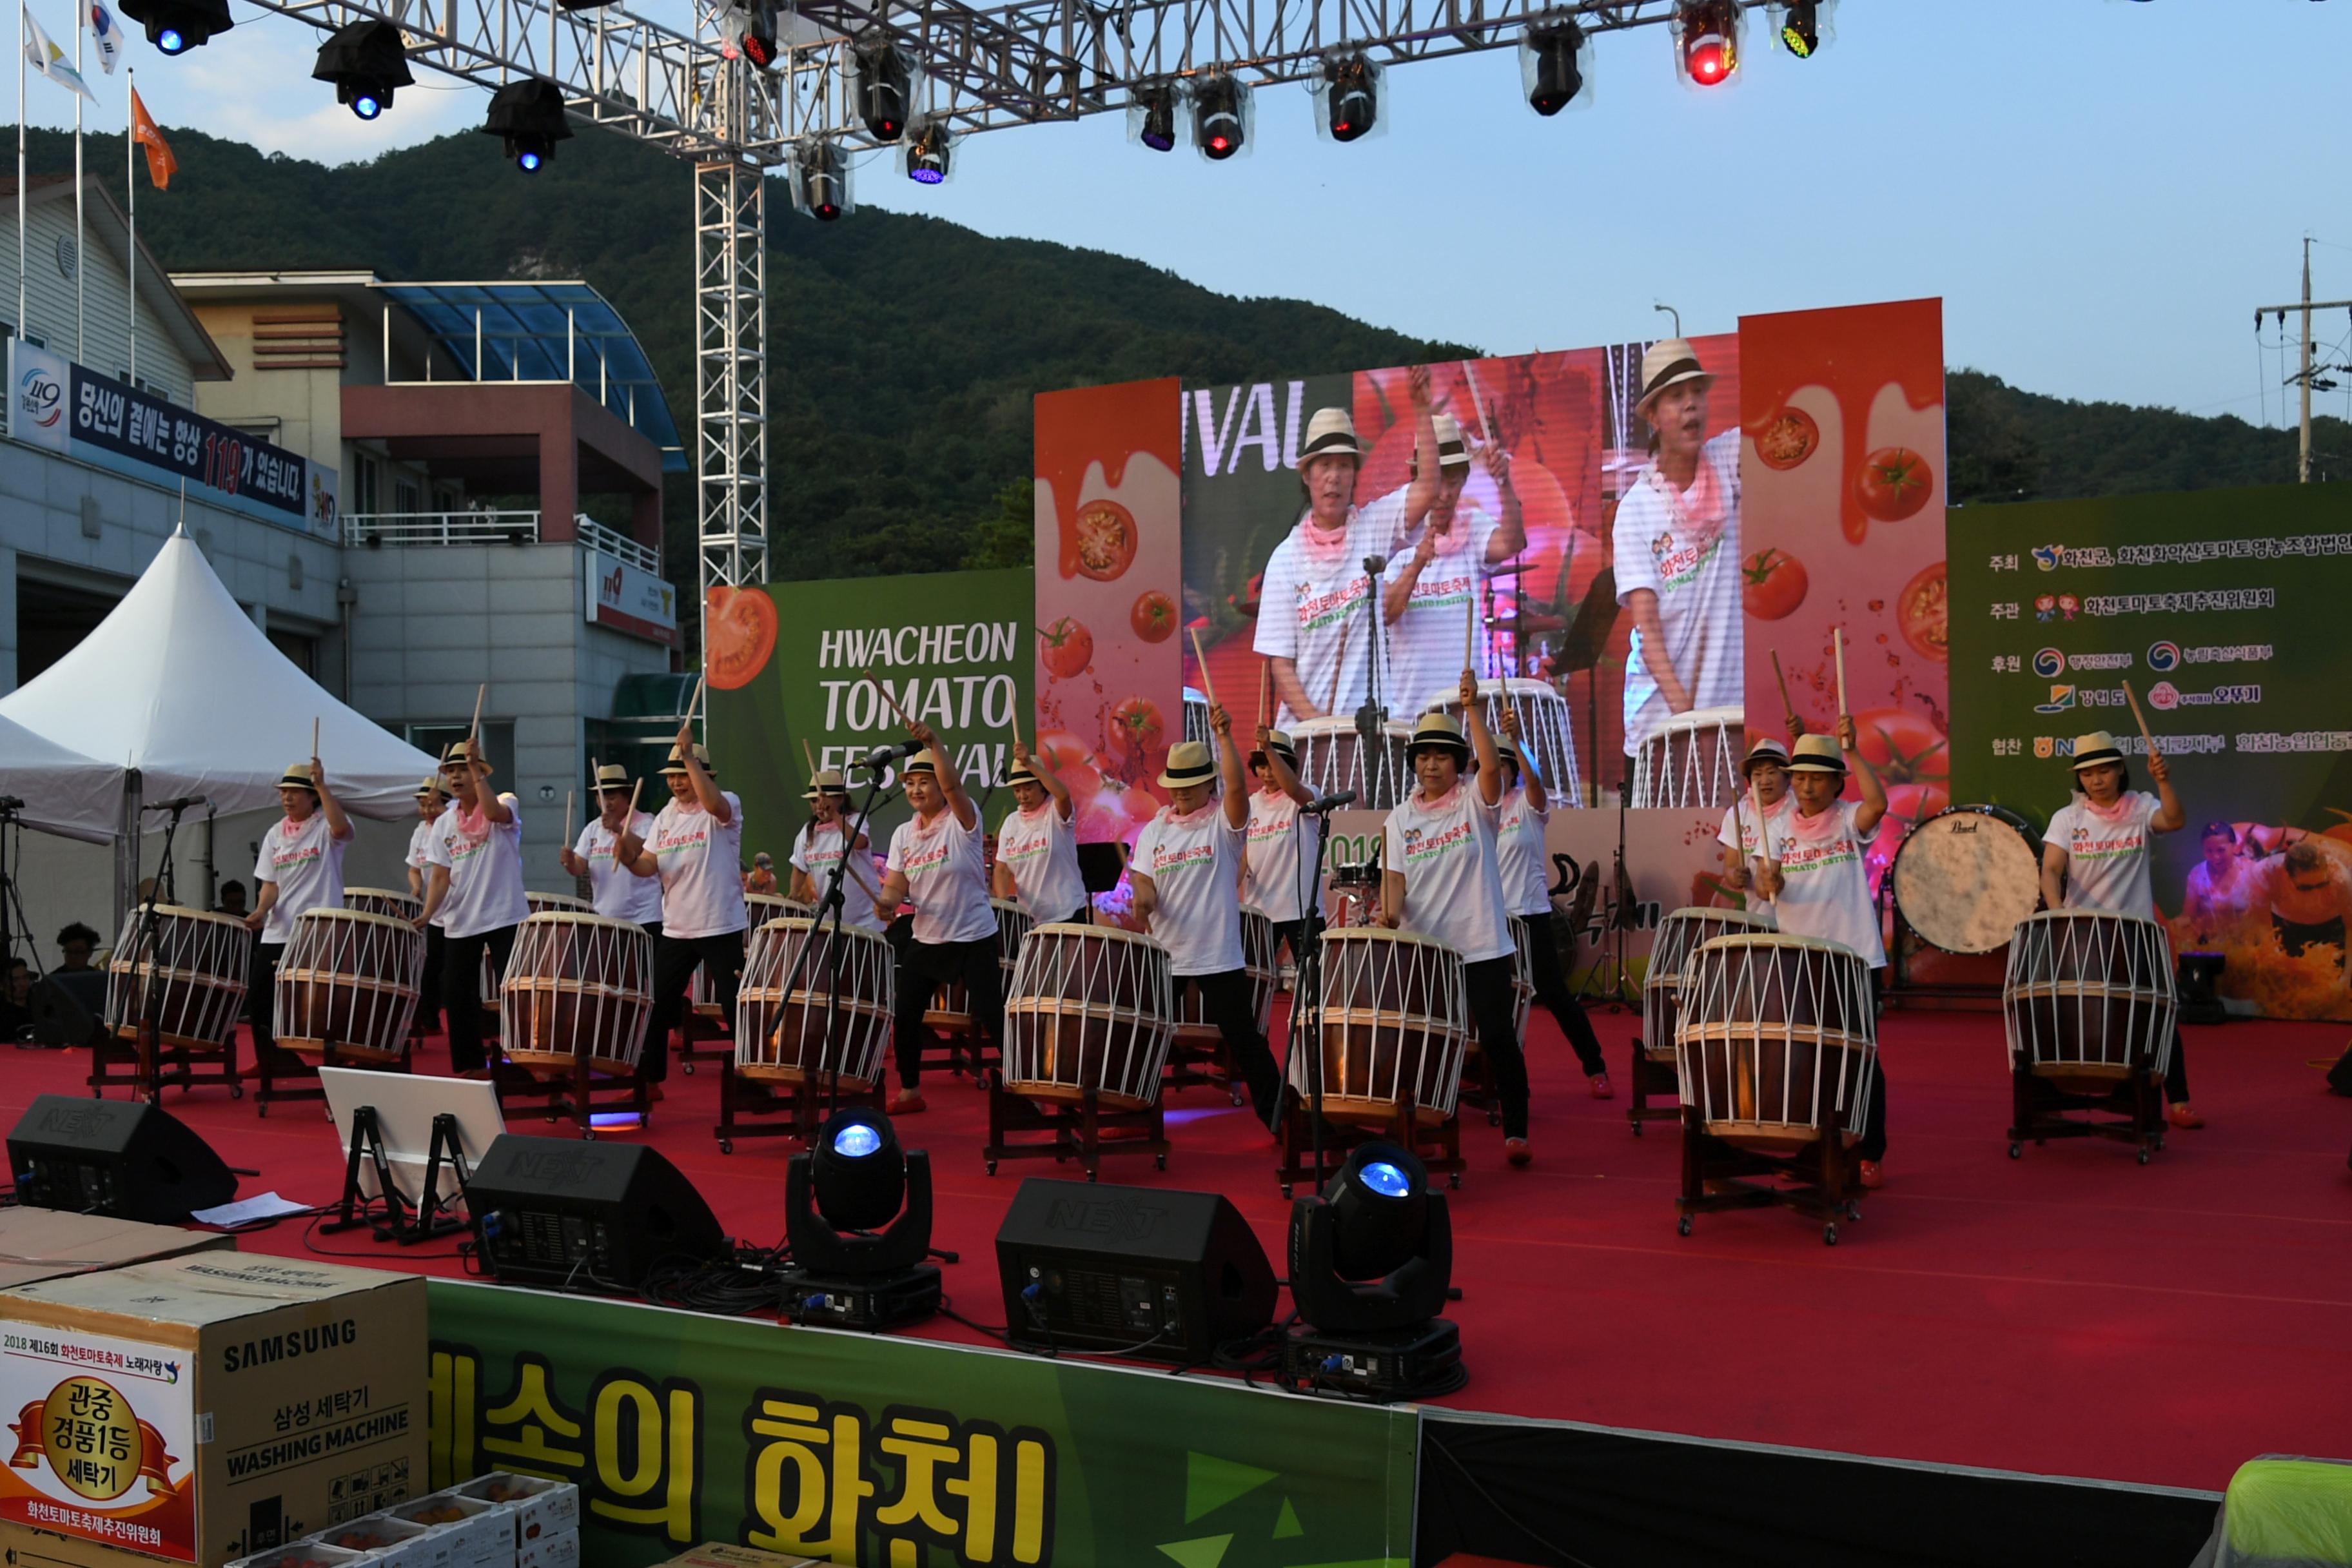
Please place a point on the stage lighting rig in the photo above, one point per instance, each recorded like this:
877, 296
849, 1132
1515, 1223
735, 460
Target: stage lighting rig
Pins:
527, 115
1371, 1262
366, 61
820, 180
1549, 65
1706, 41
858, 1221
749, 31
1153, 110
1221, 115
175, 26
928, 146
885, 87
1347, 90
1801, 27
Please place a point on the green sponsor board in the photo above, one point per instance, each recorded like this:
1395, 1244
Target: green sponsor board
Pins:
2223, 609
953, 648
680, 1428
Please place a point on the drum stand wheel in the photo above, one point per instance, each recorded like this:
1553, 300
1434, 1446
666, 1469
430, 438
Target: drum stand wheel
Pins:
694, 1028
1652, 1080
1818, 1181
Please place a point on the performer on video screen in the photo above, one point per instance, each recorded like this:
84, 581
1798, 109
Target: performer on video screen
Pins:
1441, 570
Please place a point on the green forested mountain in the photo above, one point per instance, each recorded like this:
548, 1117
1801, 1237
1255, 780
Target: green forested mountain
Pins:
904, 351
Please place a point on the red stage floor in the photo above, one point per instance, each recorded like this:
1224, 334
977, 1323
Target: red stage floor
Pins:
2070, 1313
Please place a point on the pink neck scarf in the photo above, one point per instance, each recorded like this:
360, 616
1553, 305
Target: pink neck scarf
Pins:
1698, 511
1817, 829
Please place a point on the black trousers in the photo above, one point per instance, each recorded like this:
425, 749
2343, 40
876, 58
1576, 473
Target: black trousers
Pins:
1551, 990
429, 990
923, 967
1225, 999
461, 990
1492, 1005
675, 958
260, 1010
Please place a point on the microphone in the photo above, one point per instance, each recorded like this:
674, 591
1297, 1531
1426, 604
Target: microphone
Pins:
182, 804
882, 757
1328, 803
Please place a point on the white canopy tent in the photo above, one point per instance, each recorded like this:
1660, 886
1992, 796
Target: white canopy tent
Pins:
63, 791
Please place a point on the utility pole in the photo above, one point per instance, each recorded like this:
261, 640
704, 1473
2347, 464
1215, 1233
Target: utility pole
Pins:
2308, 373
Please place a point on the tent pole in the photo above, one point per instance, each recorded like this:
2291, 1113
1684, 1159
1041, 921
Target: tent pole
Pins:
126, 847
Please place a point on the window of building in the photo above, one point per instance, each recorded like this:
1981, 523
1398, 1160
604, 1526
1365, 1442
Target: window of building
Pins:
364, 469
303, 652
405, 497
498, 743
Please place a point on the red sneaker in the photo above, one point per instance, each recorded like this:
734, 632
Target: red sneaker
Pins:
2179, 1115
1516, 1150
1601, 1089
1872, 1177
907, 1102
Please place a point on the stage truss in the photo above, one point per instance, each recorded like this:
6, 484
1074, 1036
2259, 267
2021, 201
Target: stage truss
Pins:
980, 68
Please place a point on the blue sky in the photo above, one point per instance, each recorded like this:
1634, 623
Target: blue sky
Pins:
2100, 190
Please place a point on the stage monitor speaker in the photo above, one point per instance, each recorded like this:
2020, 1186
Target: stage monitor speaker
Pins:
582, 1216
1144, 1270
120, 1157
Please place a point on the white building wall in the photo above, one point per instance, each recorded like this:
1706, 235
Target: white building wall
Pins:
106, 299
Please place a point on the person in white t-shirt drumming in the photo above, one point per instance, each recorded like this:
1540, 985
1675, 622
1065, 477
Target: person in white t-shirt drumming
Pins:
1440, 878
1186, 873
816, 850
939, 858
1311, 601
1527, 893
432, 796
476, 895
1436, 583
1819, 888
1676, 553
1282, 864
617, 893
2095, 856
301, 868
1037, 846
1762, 820
696, 850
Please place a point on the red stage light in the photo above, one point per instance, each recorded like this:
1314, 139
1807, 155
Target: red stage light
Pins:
1218, 143
1709, 35
1707, 57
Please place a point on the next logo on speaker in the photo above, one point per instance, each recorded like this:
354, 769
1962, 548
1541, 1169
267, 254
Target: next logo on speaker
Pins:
1105, 1217
555, 1169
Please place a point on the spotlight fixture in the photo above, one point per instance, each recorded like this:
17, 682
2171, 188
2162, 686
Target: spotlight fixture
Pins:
885, 82
749, 29
1220, 116
928, 144
1370, 1261
1547, 62
1348, 85
527, 115
1801, 27
1151, 114
366, 61
175, 26
857, 1219
820, 180
1706, 37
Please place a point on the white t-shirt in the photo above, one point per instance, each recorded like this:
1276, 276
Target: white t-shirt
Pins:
1453, 882
1827, 895
700, 864
306, 861
1194, 862
420, 859
485, 871
2106, 856
1696, 580
1519, 856
619, 895
1426, 641
1747, 832
1040, 849
1311, 606
814, 850
946, 867
1279, 839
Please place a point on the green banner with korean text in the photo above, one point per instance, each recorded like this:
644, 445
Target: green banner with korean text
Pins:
2224, 611
680, 1428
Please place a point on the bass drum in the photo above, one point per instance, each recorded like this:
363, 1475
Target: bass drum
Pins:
1964, 878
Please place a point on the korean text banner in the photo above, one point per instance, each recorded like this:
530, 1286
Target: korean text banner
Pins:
2224, 611
813, 670
854, 1448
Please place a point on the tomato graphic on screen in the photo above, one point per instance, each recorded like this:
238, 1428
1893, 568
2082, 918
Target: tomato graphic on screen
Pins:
1787, 440
1894, 483
1068, 647
738, 629
1136, 728
1153, 616
1924, 613
1902, 746
1774, 586
1106, 539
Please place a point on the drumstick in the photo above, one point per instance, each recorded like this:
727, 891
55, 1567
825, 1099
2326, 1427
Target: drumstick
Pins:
1783, 681
638, 784
1340, 664
810, 754
1470, 627
694, 702
884, 690
1739, 826
567, 817
1208, 687
473, 731
2146, 738
1837, 646
1477, 407
314, 735
1264, 691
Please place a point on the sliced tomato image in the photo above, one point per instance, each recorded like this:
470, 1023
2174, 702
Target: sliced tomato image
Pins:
1787, 439
1106, 539
1924, 613
1772, 584
739, 633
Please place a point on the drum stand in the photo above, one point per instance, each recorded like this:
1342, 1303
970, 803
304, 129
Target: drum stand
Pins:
2132, 1113
695, 1026
153, 1063
312, 1087
1821, 1181
574, 1093
1438, 1145
1077, 1128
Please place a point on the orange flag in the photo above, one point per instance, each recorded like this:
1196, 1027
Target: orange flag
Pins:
160, 162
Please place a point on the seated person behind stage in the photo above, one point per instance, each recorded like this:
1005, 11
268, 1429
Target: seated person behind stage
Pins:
938, 859
761, 877
1819, 887
2218, 899
1187, 879
1440, 878
1037, 846
16, 1002
816, 849
232, 900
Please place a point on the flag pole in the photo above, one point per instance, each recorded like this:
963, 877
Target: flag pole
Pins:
131, 196
80, 23
20, 168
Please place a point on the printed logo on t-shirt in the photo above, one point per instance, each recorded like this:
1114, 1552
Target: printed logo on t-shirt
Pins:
2084, 846
1166, 857
1262, 828
925, 857
1800, 857
675, 840
281, 858
1678, 568
1440, 592
1421, 846
1020, 853
464, 846
1316, 611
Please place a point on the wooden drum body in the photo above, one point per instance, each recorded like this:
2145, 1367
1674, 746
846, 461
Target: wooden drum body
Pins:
347, 987
1776, 1037
780, 1036
1391, 1029
2088, 998
579, 986
1259, 942
1679, 935
198, 963
1964, 878
389, 901
1089, 1008
1544, 728
539, 904
1332, 757
1692, 760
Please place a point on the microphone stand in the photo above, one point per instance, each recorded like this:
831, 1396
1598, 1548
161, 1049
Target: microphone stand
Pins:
1306, 989
830, 903
1369, 716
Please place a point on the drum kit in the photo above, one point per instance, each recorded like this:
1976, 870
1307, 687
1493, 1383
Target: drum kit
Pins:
796, 1048
1655, 1065
347, 988
1776, 1037
1333, 755
1088, 1020
1691, 761
1965, 877
1544, 728
2088, 1006
174, 993
573, 1010
1198, 1054
1355, 891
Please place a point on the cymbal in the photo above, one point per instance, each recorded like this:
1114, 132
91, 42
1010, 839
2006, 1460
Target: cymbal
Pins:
1590, 627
